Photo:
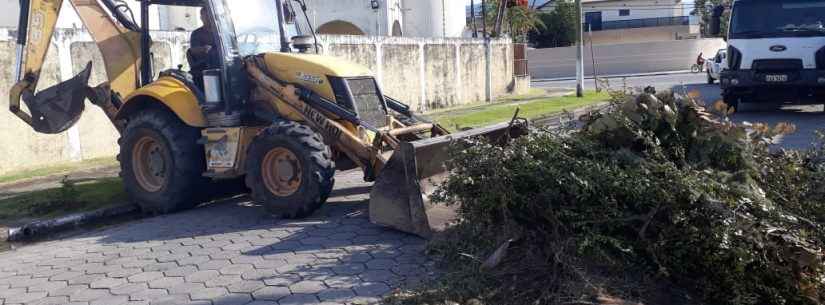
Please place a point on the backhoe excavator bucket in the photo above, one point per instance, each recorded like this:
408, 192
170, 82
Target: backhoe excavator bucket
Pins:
400, 197
58, 108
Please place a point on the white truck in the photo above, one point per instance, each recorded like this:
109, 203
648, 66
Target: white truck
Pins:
776, 52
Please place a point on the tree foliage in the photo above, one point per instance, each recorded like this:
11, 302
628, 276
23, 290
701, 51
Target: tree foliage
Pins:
560, 27
704, 10
656, 200
517, 21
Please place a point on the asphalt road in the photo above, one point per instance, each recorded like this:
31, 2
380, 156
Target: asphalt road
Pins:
807, 118
623, 58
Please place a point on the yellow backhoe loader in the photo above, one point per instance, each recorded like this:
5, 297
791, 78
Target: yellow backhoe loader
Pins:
266, 110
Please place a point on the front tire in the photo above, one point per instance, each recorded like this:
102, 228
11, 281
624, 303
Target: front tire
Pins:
711, 81
290, 170
161, 162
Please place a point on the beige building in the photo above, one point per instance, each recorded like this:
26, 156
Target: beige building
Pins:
634, 21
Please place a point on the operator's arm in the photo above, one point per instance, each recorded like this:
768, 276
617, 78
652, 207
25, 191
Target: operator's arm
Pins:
200, 45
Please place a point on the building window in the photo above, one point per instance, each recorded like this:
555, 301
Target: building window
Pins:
625, 12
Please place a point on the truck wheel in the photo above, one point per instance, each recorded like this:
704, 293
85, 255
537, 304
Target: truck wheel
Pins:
161, 162
289, 170
710, 79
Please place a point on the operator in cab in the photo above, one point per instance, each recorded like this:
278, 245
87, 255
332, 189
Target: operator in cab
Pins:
203, 53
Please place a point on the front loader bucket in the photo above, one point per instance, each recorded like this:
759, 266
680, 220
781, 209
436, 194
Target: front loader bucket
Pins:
400, 195
58, 108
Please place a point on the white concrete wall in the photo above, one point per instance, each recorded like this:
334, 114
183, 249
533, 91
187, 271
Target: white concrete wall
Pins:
430, 73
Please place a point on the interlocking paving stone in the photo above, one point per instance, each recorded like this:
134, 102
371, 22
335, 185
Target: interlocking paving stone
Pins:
308, 287
48, 286
25, 297
184, 288
145, 277
299, 299
223, 281
282, 280
336, 294
233, 299
371, 289
246, 286
181, 271
224, 253
50, 301
129, 288
148, 295
207, 293
107, 283
166, 282
87, 294
111, 300
272, 293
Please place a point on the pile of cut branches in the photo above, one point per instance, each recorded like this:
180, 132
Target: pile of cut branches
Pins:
656, 200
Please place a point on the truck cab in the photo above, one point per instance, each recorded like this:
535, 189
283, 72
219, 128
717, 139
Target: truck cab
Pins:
776, 52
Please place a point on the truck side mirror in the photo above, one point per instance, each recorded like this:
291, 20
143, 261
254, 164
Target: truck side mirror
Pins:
716, 20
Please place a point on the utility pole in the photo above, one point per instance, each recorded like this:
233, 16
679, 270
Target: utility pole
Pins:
484, 18
579, 51
593, 58
473, 17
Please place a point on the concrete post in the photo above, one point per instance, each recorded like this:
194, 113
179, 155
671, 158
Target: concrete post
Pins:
422, 75
579, 51
488, 73
458, 80
379, 58
64, 52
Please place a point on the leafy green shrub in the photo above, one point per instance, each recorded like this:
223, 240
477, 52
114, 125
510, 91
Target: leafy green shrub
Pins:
654, 200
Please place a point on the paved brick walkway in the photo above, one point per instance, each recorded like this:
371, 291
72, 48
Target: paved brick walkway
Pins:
225, 253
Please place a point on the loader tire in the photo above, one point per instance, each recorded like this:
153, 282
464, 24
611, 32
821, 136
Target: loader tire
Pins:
161, 162
289, 170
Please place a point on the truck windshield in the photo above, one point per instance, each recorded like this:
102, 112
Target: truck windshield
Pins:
256, 26
767, 19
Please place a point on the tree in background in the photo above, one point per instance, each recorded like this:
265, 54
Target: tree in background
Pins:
559, 27
704, 10
515, 20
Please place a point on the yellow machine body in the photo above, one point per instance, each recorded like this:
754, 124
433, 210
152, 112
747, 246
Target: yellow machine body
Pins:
170, 92
405, 155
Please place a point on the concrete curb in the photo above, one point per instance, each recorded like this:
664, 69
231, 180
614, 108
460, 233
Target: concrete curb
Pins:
43, 228
546, 80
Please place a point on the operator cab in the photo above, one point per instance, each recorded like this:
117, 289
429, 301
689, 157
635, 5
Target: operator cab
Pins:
228, 31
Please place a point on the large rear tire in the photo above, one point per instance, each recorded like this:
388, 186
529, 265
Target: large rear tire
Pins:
290, 170
161, 162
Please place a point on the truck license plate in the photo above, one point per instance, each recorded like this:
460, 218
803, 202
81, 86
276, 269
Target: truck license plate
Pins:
776, 78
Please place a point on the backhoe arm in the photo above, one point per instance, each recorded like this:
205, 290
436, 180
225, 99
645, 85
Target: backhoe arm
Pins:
56, 109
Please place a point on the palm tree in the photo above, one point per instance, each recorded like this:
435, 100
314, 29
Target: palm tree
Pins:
516, 21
